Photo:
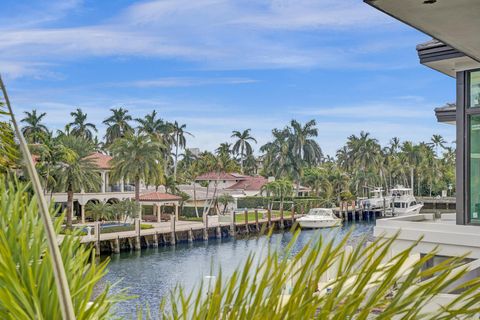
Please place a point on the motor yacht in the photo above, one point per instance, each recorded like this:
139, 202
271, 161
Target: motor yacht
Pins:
319, 218
403, 202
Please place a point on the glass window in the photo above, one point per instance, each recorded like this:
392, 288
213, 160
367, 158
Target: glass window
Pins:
475, 89
474, 167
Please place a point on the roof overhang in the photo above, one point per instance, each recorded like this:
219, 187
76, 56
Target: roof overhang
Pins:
446, 114
454, 23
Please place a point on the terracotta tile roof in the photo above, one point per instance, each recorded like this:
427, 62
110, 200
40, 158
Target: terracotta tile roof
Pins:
249, 184
221, 176
159, 196
101, 160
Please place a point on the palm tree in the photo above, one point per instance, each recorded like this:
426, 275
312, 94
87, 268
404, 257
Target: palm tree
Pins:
80, 127
150, 124
224, 149
306, 151
99, 210
34, 131
179, 140
76, 171
117, 125
279, 160
438, 141
242, 146
224, 200
135, 158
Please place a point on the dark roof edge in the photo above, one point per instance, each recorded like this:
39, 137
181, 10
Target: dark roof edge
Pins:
435, 50
446, 114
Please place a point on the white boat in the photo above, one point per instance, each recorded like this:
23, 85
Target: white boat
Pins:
377, 200
403, 202
319, 218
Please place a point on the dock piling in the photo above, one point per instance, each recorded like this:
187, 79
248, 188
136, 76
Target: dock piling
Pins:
205, 229
172, 230
97, 237
256, 220
246, 221
155, 240
190, 235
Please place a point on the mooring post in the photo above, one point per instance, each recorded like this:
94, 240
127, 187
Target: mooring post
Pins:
219, 232
97, 237
302, 209
232, 225
246, 221
256, 220
116, 247
172, 229
137, 235
190, 235
155, 239
205, 229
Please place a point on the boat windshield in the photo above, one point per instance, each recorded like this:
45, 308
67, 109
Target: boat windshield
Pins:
320, 212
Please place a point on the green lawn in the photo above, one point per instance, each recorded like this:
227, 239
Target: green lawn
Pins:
131, 227
183, 218
240, 217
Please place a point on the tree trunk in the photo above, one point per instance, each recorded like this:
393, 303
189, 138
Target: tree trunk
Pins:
195, 198
69, 208
176, 161
137, 197
241, 159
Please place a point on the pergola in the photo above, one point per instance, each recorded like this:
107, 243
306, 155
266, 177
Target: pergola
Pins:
159, 199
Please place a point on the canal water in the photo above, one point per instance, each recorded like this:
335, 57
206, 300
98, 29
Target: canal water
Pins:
152, 273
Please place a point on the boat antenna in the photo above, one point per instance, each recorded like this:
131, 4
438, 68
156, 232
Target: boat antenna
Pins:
63, 291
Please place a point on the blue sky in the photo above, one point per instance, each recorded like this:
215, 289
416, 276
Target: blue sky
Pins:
221, 65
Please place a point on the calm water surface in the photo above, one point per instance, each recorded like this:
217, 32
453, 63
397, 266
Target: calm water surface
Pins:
150, 274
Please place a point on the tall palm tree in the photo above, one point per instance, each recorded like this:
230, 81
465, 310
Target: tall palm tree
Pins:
117, 125
438, 141
34, 131
225, 148
150, 124
306, 151
180, 141
80, 127
75, 171
242, 146
135, 158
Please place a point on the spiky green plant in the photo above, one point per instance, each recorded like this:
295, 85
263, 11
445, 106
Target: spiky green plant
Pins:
370, 282
28, 289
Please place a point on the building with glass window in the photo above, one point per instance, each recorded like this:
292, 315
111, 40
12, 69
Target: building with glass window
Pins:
455, 51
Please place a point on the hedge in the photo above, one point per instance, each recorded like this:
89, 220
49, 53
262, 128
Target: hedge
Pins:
262, 202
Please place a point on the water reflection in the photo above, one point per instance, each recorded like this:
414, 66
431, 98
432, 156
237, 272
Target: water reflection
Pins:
151, 274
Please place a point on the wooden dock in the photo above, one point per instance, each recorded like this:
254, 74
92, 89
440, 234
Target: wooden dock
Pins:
173, 232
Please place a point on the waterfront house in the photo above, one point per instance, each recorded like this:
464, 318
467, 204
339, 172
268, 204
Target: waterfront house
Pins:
454, 52
112, 192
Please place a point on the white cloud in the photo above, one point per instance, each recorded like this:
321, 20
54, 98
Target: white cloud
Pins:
372, 110
215, 34
182, 82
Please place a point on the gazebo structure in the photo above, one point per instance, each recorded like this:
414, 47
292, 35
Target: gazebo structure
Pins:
159, 199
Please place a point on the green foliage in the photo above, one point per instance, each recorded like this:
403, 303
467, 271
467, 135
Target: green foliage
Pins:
99, 211
369, 282
117, 125
28, 289
225, 200
9, 153
34, 131
264, 202
80, 127
136, 157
